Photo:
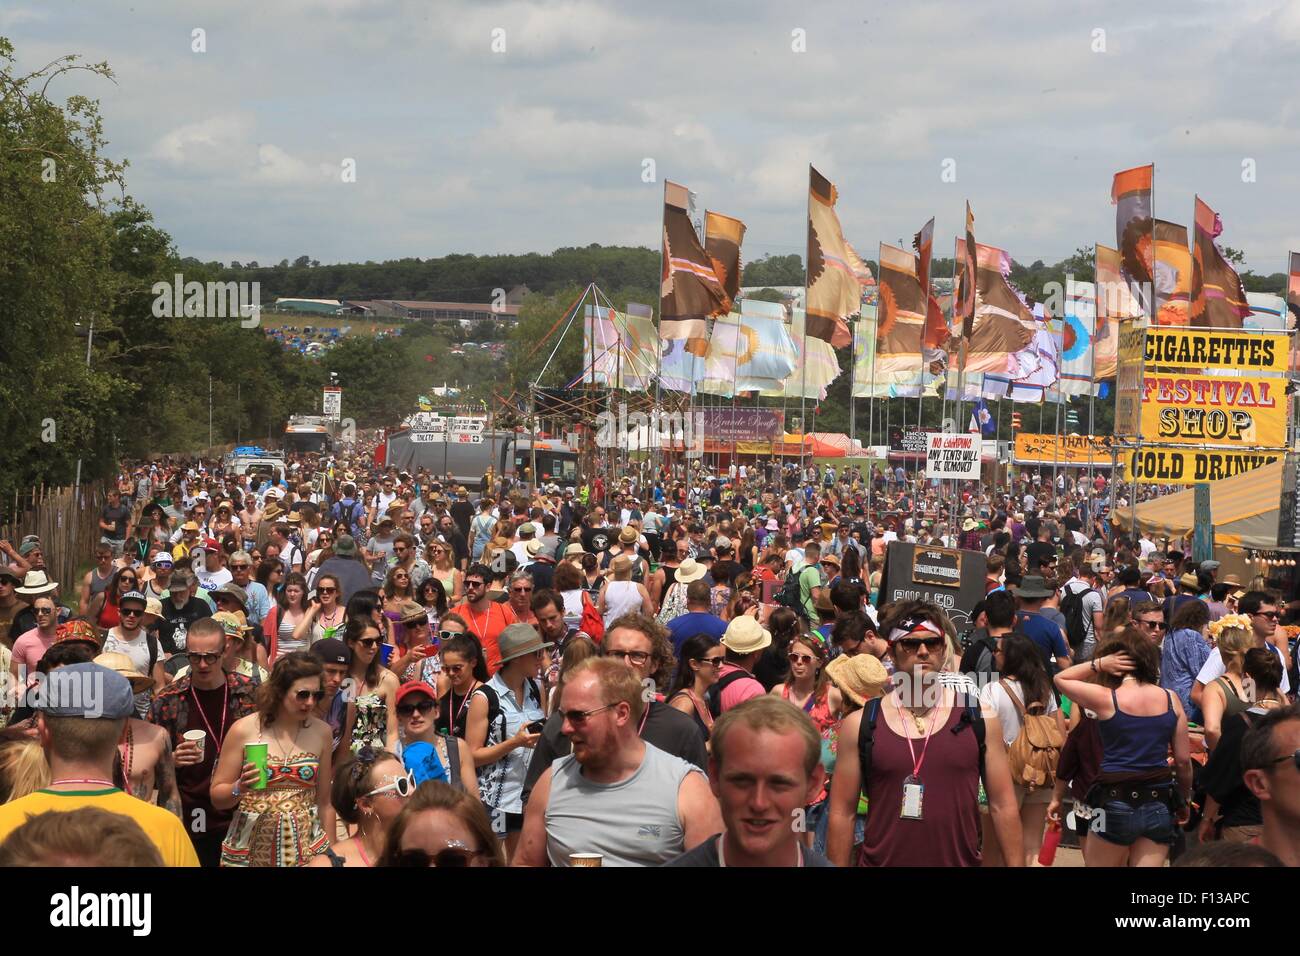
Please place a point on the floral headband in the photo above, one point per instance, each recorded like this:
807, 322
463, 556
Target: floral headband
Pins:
1228, 620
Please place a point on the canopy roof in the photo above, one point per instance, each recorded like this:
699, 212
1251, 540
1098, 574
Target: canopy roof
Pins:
1244, 510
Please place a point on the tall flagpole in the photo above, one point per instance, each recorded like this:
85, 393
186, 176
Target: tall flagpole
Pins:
1092, 377
803, 386
659, 346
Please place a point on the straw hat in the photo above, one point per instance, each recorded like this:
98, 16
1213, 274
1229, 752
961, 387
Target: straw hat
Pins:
744, 635
688, 571
860, 678
123, 665
35, 583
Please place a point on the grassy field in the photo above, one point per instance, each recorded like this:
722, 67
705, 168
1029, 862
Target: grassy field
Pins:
359, 326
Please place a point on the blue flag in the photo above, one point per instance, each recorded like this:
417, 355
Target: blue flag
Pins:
981, 419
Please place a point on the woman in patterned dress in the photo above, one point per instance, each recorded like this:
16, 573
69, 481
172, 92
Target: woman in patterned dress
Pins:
371, 719
284, 823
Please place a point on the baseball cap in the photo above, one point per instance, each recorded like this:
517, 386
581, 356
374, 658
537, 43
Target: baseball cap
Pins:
162, 559
332, 651
135, 596
87, 690
415, 687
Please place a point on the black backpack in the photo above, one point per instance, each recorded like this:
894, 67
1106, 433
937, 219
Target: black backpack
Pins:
789, 594
970, 658
1076, 622
970, 717
713, 696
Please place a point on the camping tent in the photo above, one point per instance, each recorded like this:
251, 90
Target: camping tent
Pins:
1244, 510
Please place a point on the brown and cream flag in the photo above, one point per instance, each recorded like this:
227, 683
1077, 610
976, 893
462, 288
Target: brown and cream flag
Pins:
1115, 303
1003, 325
1173, 273
834, 291
690, 291
1218, 300
722, 238
1131, 195
901, 314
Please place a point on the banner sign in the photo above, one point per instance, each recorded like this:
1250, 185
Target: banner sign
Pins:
741, 424
1173, 466
1068, 450
1213, 348
910, 571
915, 442
331, 404
1128, 382
952, 456
1245, 412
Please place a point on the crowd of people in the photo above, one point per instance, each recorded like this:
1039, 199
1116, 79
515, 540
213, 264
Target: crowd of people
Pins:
361, 666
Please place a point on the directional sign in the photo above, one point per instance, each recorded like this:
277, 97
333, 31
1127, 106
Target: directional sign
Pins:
426, 438
465, 424
465, 438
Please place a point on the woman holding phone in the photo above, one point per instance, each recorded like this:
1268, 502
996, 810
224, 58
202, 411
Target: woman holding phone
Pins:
371, 719
280, 788
505, 723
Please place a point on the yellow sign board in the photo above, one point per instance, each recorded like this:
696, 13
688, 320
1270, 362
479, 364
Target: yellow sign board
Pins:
1128, 381
1255, 352
1066, 450
1174, 466
1209, 410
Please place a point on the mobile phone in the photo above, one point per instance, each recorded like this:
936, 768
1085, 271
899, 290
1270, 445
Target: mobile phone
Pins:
535, 727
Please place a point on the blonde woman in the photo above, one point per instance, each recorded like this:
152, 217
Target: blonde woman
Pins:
23, 769
620, 594
1227, 695
442, 567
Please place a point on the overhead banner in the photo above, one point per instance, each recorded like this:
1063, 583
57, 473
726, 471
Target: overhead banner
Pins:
1216, 348
1172, 466
1128, 386
952, 456
1249, 412
1067, 450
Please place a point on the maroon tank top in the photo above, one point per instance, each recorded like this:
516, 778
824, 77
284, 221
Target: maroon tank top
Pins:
949, 832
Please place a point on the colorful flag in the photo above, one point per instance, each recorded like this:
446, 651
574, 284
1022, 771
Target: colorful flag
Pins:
934, 335
822, 365
1003, 325
834, 291
690, 292
1131, 194
722, 238
981, 419
964, 303
1293, 289
1173, 273
1218, 300
619, 348
901, 313
749, 352
1077, 333
1268, 312
1114, 302
679, 369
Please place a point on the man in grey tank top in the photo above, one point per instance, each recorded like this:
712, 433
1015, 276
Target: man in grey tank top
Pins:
615, 795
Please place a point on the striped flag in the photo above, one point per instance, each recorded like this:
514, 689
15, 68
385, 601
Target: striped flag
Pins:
690, 292
834, 290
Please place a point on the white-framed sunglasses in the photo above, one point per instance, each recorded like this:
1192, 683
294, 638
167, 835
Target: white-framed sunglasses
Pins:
403, 786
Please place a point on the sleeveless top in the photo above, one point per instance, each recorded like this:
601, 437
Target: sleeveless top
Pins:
97, 583
620, 598
948, 834
371, 727
670, 575
1136, 745
632, 823
703, 719
1233, 704
109, 616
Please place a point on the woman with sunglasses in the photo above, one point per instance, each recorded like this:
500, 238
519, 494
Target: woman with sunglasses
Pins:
289, 608
444, 570
398, 592
104, 605
464, 669
426, 753
324, 549
372, 713
441, 826
431, 595
285, 821
270, 574
325, 617
422, 660
699, 661
369, 791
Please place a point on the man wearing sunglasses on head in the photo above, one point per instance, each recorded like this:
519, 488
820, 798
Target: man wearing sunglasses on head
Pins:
1261, 608
209, 698
1270, 757
919, 754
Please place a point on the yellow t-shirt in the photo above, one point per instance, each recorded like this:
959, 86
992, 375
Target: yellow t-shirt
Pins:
161, 826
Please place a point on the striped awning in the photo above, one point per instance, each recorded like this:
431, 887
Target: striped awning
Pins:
1244, 510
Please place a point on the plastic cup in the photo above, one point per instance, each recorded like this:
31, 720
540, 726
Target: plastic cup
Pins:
198, 738
256, 754
586, 859
385, 653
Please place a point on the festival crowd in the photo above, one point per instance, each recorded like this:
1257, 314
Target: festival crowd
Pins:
360, 666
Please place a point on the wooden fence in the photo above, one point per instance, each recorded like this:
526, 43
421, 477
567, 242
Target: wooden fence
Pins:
66, 522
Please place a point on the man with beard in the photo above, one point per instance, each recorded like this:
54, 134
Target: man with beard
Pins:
615, 795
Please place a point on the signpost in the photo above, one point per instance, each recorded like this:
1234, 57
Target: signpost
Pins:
953, 456
911, 572
332, 403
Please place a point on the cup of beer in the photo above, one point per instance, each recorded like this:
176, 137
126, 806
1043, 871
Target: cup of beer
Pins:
586, 859
196, 737
256, 754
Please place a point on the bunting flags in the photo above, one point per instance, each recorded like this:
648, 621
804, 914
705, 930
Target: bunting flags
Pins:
1131, 194
1173, 273
834, 292
823, 368
619, 348
1218, 300
1114, 302
690, 292
1003, 326
749, 352
722, 238
901, 313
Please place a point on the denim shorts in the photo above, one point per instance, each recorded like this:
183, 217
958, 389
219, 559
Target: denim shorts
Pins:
1123, 823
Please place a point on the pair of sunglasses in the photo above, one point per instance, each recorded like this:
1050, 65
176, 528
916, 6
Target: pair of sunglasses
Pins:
403, 786
451, 856
305, 695
424, 706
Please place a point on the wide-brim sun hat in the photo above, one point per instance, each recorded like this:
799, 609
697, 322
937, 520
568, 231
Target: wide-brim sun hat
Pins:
860, 678
744, 635
518, 640
688, 571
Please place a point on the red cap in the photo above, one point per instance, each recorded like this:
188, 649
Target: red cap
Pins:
415, 687
212, 544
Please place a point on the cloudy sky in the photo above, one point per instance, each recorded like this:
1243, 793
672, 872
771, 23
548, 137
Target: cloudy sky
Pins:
462, 148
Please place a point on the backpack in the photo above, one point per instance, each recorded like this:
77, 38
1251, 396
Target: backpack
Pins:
353, 524
970, 659
592, 624
789, 594
713, 696
532, 688
970, 717
1035, 752
674, 603
1076, 621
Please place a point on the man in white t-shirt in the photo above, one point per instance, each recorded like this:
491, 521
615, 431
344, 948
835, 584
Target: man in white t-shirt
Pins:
1260, 607
1088, 579
1145, 546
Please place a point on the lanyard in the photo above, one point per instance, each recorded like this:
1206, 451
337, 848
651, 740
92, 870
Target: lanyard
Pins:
907, 735
225, 713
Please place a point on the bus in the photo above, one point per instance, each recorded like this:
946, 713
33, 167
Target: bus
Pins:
509, 453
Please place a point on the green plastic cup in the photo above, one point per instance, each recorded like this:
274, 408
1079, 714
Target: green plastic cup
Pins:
256, 754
